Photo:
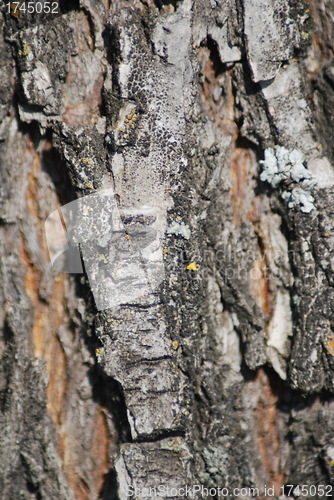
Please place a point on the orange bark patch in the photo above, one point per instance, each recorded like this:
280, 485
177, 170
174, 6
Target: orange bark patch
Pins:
83, 97
267, 433
47, 317
97, 458
100, 449
241, 163
322, 36
217, 94
86, 112
32, 188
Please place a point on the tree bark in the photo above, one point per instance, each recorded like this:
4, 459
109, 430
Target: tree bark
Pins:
201, 133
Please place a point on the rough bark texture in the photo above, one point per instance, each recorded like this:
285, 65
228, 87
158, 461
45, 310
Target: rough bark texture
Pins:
222, 375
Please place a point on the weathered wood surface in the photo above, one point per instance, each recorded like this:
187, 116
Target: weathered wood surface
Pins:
210, 122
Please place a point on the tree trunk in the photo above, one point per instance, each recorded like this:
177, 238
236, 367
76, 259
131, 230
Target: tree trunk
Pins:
192, 144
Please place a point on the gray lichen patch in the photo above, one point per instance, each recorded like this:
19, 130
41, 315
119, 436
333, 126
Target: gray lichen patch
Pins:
179, 229
287, 170
82, 149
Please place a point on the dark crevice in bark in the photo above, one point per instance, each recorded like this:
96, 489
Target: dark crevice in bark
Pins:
288, 399
218, 65
254, 89
113, 51
68, 5
90, 21
245, 371
55, 167
108, 393
109, 489
159, 436
148, 24
161, 3
33, 490
7, 366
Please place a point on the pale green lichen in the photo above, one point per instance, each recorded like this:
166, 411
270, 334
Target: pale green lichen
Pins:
179, 229
215, 464
287, 169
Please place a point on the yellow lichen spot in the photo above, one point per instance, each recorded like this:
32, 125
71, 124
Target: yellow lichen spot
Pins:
175, 344
25, 49
127, 237
326, 234
192, 266
89, 161
14, 10
319, 147
89, 185
227, 445
331, 463
329, 344
165, 251
99, 352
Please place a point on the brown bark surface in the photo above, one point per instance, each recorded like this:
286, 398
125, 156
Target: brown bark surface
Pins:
210, 123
